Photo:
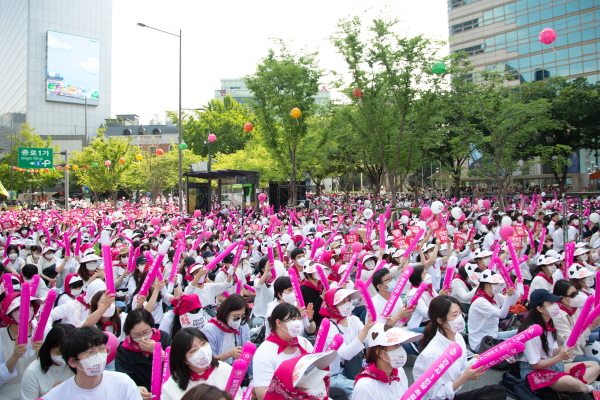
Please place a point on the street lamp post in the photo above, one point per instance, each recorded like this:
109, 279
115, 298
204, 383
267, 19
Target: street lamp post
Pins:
179, 123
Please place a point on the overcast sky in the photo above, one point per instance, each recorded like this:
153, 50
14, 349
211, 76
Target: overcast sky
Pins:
226, 39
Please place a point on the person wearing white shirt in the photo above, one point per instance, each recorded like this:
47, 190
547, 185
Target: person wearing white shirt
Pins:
420, 315
446, 327
85, 351
544, 279
49, 368
464, 285
76, 311
558, 237
490, 237
542, 362
208, 291
384, 283
488, 307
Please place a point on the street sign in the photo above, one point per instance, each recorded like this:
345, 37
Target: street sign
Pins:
30, 157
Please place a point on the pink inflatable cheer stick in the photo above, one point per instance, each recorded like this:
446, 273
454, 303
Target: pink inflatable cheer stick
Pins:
514, 260
336, 342
381, 231
166, 372
504, 272
412, 304
78, 244
494, 258
24, 313
107, 258
179, 247
250, 288
580, 324
349, 270
133, 255
499, 355
248, 351
414, 242
156, 371
450, 271
7, 280
379, 266
155, 269
362, 288
322, 335
237, 375
9, 239
391, 303
248, 393
38, 333
35, 281
417, 390
221, 256
542, 239
323, 277
597, 294
66, 244
297, 292
270, 252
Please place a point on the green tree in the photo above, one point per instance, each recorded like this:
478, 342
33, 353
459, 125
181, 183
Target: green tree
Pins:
27, 137
284, 81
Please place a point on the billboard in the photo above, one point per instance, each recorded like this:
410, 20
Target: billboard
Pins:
72, 68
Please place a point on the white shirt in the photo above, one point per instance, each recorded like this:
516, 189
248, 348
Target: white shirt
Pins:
558, 239
208, 294
264, 295
421, 313
351, 346
266, 360
484, 317
379, 303
461, 292
72, 312
35, 383
218, 378
366, 388
443, 388
533, 350
488, 241
114, 386
539, 282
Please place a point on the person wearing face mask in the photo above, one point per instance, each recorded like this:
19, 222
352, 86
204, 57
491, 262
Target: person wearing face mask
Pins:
384, 283
544, 279
13, 262
284, 293
337, 306
85, 351
464, 285
120, 269
432, 263
187, 312
134, 356
76, 311
582, 278
558, 237
191, 364
104, 315
420, 318
27, 273
581, 257
263, 285
445, 328
383, 376
228, 331
488, 307
312, 288
141, 265
73, 288
34, 256
490, 236
206, 290
50, 368
543, 361
303, 377
88, 269
15, 358
573, 231
570, 306
483, 258
298, 260
48, 265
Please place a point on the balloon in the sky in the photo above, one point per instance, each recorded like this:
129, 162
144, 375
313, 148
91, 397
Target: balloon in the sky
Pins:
547, 35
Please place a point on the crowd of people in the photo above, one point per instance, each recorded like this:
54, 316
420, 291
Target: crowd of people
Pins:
141, 302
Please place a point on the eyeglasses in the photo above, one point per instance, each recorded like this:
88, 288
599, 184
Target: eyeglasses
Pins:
387, 280
90, 353
142, 334
573, 295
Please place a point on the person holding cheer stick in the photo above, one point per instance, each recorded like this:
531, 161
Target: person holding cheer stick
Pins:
542, 362
446, 327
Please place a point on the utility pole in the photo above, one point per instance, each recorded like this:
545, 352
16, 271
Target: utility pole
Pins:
66, 154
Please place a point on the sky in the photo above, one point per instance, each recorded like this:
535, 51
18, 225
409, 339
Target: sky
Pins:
227, 39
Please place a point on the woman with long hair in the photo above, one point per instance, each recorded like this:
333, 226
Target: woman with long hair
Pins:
104, 315
50, 368
542, 362
446, 327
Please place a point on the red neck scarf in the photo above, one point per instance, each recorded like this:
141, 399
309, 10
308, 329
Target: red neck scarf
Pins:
274, 338
429, 289
371, 371
318, 287
330, 311
550, 327
106, 324
132, 345
224, 327
482, 293
569, 310
548, 279
195, 377
457, 276
80, 299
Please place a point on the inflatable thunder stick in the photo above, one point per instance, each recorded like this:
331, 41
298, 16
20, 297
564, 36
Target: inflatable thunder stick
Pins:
391, 303
248, 393
239, 368
349, 270
35, 282
597, 294
414, 242
107, 258
38, 333
323, 277
156, 382
322, 335
581, 323
221, 256
24, 314
499, 355
381, 231
133, 256
362, 288
417, 390
162, 251
504, 272
176, 257
412, 304
336, 342
296, 285
541, 244
450, 271
166, 373
514, 260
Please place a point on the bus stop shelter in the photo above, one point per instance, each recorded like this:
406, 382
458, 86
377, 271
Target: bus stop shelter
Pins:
234, 187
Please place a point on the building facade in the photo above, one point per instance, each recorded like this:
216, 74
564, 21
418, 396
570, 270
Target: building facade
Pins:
503, 36
50, 50
148, 137
237, 89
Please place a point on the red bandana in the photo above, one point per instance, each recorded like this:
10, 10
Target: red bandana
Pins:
569, 310
550, 279
428, 289
318, 288
107, 324
132, 345
371, 371
80, 299
274, 338
481, 293
224, 327
194, 377
457, 276
550, 327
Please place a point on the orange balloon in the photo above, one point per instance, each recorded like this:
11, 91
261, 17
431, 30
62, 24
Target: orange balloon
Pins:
121, 160
67, 167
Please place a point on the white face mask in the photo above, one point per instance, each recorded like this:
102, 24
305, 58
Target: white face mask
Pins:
110, 311
154, 244
391, 286
91, 265
578, 301
427, 279
584, 257
370, 264
13, 256
319, 391
190, 320
397, 357
486, 261
375, 247
142, 267
497, 288
190, 241
94, 365
289, 298
346, 309
589, 281
58, 360
137, 340
553, 310
202, 357
76, 292
301, 261
294, 328
575, 222
457, 325
494, 230
552, 269
234, 324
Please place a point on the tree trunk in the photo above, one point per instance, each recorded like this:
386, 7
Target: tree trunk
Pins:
457, 185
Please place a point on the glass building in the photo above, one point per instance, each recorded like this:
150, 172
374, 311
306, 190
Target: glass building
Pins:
503, 35
25, 74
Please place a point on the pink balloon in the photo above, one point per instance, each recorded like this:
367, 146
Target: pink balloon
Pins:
212, 137
274, 219
506, 232
547, 35
343, 251
320, 228
485, 220
107, 163
174, 221
487, 203
356, 247
197, 213
262, 197
179, 235
406, 212
425, 212
462, 217
207, 234
155, 221
113, 344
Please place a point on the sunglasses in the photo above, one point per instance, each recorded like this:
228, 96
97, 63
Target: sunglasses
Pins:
244, 319
572, 295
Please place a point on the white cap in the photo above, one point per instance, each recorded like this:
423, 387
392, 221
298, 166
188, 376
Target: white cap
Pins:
343, 293
378, 336
305, 373
490, 277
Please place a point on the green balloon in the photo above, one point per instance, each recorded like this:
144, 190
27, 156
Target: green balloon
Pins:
183, 146
95, 165
438, 68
